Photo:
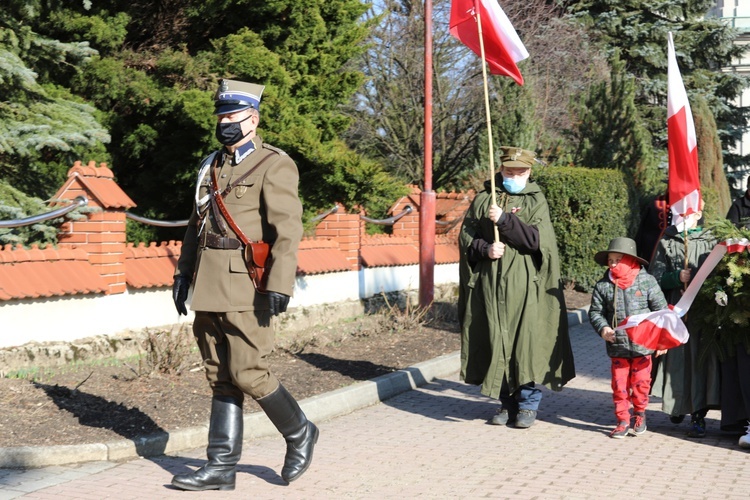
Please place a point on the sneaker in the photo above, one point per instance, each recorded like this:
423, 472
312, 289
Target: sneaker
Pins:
525, 419
697, 427
620, 431
502, 417
745, 440
640, 423
676, 419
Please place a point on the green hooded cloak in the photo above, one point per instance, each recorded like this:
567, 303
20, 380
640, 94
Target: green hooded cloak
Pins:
512, 311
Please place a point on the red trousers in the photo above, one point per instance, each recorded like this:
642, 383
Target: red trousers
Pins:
631, 381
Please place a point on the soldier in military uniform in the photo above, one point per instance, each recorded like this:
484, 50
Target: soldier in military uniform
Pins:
232, 323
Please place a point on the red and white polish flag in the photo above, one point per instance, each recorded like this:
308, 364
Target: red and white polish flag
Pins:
665, 329
656, 330
502, 46
682, 145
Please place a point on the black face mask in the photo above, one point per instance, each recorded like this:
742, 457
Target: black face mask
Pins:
230, 133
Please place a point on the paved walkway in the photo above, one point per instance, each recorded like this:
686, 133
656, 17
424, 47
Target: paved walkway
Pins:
433, 442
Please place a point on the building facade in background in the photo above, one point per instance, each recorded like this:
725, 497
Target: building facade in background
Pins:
736, 13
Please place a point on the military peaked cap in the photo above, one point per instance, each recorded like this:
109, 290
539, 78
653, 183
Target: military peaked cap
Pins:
517, 157
233, 96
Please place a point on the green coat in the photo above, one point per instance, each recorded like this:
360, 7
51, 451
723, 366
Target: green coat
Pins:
684, 384
512, 310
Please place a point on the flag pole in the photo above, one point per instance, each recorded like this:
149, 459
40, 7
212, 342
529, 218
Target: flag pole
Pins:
487, 113
428, 196
685, 237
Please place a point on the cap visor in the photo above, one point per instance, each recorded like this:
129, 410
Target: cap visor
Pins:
225, 109
515, 164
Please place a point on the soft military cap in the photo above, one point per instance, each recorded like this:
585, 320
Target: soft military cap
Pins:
517, 157
624, 246
233, 96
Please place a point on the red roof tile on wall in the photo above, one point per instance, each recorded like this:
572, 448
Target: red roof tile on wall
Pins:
38, 273
151, 266
446, 254
35, 273
98, 183
379, 251
318, 256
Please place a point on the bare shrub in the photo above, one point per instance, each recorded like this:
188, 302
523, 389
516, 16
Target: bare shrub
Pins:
168, 352
402, 315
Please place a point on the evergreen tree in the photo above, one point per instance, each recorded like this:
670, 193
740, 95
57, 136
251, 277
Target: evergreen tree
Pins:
159, 64
714, 185
44, 127
610, 133
637, 30
15, 205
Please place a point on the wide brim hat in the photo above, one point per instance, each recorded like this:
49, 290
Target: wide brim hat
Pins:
233, 96
517, 157
624, 246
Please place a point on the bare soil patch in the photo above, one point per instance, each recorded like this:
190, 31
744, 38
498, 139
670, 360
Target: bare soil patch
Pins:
108, 400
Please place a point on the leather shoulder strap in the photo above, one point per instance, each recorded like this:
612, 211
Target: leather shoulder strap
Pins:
216, 197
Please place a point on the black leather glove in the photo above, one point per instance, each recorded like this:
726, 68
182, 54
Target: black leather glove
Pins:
180, 289
277, 302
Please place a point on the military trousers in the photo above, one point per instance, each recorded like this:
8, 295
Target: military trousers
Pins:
235, 349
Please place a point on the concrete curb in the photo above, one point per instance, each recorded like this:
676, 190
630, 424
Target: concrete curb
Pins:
317, 408
578, 316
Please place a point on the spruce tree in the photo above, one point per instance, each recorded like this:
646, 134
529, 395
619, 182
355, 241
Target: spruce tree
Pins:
637, 30
611, 134
44, 127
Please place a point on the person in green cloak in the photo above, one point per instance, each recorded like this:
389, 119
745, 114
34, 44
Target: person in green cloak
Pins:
514, 327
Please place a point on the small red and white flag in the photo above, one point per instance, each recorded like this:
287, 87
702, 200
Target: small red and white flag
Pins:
656, 330
665, 329
684, 182
502, 46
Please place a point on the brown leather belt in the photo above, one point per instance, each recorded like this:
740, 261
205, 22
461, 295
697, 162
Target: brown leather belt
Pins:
212, 240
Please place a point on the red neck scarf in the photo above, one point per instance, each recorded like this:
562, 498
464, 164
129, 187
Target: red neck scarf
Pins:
624, 273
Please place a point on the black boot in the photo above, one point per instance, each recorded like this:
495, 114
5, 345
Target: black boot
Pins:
300, 434
223, 451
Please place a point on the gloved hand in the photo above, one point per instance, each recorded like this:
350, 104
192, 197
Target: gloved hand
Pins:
277, 302
180, 292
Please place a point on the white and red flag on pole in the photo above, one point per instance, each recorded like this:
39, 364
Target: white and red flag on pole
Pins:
684, 182
656, 330
665, 329
502, 46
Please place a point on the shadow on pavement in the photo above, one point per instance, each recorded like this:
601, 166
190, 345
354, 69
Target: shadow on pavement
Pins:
178, 465
574, 408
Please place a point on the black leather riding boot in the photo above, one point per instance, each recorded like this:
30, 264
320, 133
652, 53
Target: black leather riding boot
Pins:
300, 434
223, 451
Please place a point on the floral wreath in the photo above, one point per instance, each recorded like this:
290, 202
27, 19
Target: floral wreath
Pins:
722, 307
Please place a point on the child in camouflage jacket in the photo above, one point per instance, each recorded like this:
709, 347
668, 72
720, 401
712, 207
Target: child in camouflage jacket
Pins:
625, 289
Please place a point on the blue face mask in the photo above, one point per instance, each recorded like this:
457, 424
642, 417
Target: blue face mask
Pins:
513, 185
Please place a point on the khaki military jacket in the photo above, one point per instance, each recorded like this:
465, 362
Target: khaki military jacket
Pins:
266, 206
